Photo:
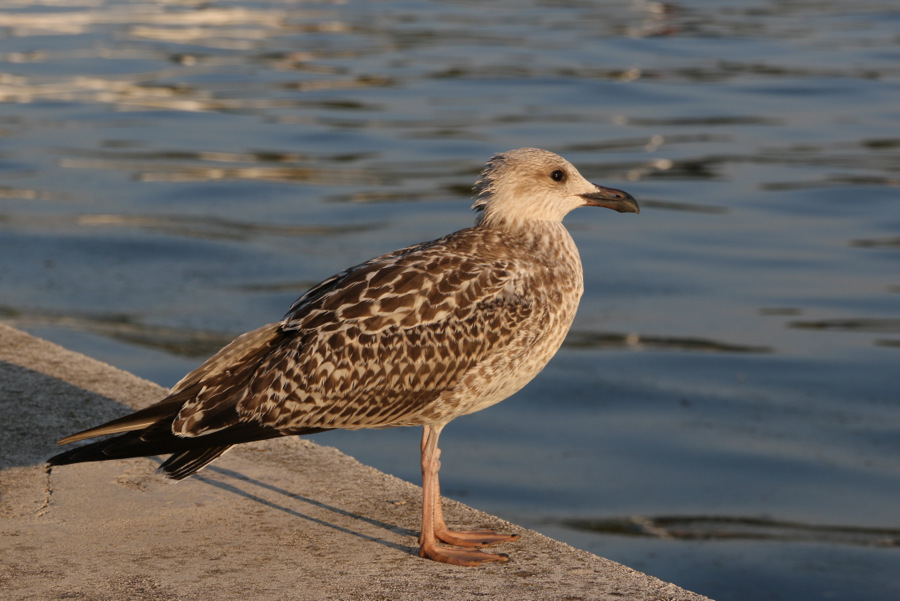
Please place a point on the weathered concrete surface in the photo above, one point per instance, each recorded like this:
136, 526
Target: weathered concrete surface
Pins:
283, 519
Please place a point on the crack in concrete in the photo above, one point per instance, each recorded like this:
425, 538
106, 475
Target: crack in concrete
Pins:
48, 493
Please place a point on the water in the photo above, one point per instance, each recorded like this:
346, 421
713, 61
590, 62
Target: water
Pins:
725, 412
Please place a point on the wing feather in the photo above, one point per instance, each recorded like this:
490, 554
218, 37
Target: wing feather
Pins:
382, 345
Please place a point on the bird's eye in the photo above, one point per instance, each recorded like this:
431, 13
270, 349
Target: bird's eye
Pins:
558, 175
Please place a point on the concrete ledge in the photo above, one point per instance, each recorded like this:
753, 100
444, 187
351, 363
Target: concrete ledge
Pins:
284, 519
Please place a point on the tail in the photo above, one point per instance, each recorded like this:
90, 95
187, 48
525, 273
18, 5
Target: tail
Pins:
177, 467
184, 461
144, 433
149, 431
189, 454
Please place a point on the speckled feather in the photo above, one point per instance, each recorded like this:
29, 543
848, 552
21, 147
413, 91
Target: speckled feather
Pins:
418, 336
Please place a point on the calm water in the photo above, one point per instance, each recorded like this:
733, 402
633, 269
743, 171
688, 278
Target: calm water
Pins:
725, 413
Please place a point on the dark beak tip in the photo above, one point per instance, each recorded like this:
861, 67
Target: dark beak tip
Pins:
611, 198
626, 203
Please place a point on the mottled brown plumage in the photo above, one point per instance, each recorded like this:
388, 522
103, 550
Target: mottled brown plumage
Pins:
418, 336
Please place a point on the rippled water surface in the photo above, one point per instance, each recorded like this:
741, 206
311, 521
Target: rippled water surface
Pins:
725, 412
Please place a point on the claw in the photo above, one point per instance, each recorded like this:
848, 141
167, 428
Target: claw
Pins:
473, 538
459, 557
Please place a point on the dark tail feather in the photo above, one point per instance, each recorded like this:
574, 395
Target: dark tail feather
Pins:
188, 463
101, 450
139, 420
189, 454
184, 463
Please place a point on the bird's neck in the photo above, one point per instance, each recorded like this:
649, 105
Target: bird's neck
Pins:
546, 242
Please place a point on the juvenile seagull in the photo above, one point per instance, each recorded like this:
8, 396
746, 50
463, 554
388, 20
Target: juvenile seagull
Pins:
416, 337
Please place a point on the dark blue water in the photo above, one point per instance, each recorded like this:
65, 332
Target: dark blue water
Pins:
725, 413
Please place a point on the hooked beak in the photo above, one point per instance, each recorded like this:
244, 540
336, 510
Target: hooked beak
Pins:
617, 200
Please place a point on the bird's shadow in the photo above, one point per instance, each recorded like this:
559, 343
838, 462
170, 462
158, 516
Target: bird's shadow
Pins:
231, 488
48, 420
36, 410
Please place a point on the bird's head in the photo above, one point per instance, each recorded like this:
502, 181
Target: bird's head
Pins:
530, 184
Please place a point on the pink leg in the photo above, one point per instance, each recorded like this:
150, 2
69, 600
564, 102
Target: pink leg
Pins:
433, 526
